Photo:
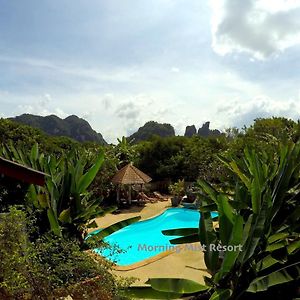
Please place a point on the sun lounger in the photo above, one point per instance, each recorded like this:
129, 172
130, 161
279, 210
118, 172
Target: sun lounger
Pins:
160, 197
191, 205
142, 196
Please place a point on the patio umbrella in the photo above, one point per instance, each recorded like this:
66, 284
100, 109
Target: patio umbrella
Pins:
129, 175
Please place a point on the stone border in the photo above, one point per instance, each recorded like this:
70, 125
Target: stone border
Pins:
144, 262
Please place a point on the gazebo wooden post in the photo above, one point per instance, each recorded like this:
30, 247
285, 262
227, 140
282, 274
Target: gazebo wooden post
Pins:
129, 195
118, 194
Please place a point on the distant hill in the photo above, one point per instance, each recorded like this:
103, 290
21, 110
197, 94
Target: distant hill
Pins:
72, 126
152, 128
203, 131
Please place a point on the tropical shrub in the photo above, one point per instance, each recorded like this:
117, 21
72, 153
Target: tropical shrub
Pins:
65, 198
177, 188
49, 267
13, 242
259, 219
125, 151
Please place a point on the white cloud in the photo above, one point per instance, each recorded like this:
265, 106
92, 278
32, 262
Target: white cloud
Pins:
43, 105
44, 100
61, 68
138, 109
239, 113
107, 100
127, 111
175, 70
260, 28
41, 111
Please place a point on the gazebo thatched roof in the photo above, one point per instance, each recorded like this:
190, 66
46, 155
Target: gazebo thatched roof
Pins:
130, 175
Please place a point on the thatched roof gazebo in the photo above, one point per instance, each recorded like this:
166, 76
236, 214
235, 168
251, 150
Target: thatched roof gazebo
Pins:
129, 175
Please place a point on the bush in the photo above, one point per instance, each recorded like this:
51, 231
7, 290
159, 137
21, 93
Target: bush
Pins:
13, 253
49, 267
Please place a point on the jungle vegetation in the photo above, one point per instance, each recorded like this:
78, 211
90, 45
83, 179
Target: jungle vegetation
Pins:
250, 176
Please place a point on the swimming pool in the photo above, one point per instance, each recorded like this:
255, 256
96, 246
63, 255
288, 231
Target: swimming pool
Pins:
144, 239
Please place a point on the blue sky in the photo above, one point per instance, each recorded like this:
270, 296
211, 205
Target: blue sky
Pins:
121, 63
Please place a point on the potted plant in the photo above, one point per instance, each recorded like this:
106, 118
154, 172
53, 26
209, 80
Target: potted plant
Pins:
177, 191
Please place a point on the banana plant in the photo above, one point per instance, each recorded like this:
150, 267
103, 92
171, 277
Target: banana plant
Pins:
69, 204
259, 220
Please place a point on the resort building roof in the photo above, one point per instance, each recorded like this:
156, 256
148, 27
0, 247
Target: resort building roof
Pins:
17, 171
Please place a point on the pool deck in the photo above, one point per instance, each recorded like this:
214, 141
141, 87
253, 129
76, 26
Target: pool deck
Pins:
185, 264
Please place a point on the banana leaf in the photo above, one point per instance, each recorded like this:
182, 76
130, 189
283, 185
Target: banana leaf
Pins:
221, 294
207, 237
209, 208
293, 247
235, 240
180, 231
113, 228
254, 232
192, 238
226, 218
208, 189
88, 177
65, 216
283, 275
277, 236
266, 262
53, 222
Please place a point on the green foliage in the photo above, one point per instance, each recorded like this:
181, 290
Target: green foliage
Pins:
281, 128
177, 189
49, 266
180, 157
13, 242
65, 261
261, 218
125, 151
268, 189
160, 157
24, 136
69, 204
255, 192
102, 186
200, 158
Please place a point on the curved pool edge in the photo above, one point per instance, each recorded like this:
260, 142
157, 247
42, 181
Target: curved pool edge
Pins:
144, 262
151, 259
137, 215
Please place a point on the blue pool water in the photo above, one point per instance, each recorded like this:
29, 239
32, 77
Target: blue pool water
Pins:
144, 239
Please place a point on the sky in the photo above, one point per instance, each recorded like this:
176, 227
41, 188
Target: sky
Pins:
119, 64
